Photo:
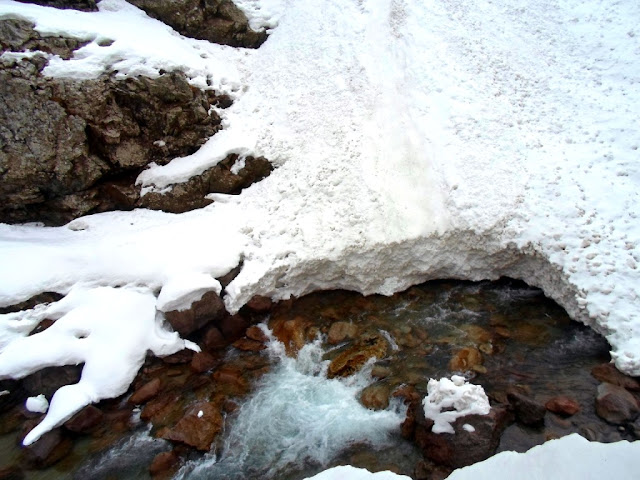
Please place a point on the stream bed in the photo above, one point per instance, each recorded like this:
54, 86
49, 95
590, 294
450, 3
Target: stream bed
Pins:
284, 418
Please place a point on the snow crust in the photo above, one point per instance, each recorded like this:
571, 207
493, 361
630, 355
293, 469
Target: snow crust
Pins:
347, 472
414, 140
449, 399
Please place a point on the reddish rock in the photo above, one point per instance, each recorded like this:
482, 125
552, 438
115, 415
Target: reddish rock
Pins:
85, 420
259, 304
353, 358
48, 450
462, 448
210, 307
146, 392
183, 356
11, 473
563, 406
527, 411
213, 339
118, 420
341, 331
198, 428
608, 373
231, 380
615, 404
375, 397
255, 333
248, 345
233, 327
203, 362
465, 359
291, 332
164, 463
161, 410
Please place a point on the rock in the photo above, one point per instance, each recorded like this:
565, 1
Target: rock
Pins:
145, 393
527, 411
259, 304
376, 396
231, 380
48, 450
341, 331
291, 332
465, 360
11, 473
564, 406
607, 372
85, 5
233, 327
213, 339
462, 448
615, 404
256, 333
164, 463
353, 358
85, 420
198, 427
50, 379
477, 334
209, 308
19, 35
248, 345
180, 357
218, 21
203, 362
162, 410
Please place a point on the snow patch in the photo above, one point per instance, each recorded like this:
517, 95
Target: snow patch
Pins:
38, 404
347, 472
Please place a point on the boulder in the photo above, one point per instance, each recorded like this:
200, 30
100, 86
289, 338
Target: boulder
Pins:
85, 420
341, 331
49, 449
248, 345
465, 359
145, 393
198, 428
562, 405
233, 327
616, 405
259, 304
607, 372
207, 309
203, 362
164, 464
218, 21
376, 396
353, 358
291, 332
527, 411
212, 339
48, 380
256, 333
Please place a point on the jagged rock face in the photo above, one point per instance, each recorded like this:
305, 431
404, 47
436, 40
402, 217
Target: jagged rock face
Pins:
86, 5
218, 21
70, 148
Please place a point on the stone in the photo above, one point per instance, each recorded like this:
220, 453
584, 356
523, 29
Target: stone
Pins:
616, 405
291, 332
462, 448
256, 333
562, 405
353, 358
180, 357
11, 473
213, 339
477, 334
376, 396
162, 410
203, 362
145, 393
248, 345
465, 359
49, 449
198, 428
341, 331
233, 327
48, 380
527, 411
259, 304
607, 372
85, 420
164, 463
218, 21
85, 5
231, 380
208, 308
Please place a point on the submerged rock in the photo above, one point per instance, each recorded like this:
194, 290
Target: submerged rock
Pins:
616, 405
607, 372
353, 358
562, 405
341, 331
465, 359
527, 410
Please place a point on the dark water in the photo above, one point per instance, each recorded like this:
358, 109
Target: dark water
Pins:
295, 422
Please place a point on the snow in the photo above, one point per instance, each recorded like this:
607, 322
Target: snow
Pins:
556, 460
38, 404
413, 140
347, 472
450, 399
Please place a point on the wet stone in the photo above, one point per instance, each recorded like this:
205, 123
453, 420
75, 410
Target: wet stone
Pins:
376, 396
259, 304
465, 360
198, 428
341, 331
528, 411
85, 420
202, 362
607, 372
52, 447
164, 464
146, 392
209, 308
233, 327
11, 473
563, 406
213, 339
255, 333
291, 332
353, 358
248, 345
615, 404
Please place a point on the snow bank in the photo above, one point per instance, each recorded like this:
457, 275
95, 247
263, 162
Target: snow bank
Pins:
568, 458
414, 140
347, 472
447, 400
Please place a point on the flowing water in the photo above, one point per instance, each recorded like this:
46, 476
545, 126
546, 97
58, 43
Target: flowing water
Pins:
295, 421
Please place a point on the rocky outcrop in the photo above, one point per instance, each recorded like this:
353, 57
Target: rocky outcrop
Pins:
218, 21
70, 148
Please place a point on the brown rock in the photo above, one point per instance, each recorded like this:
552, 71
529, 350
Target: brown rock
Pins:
248, 345
376, 396
341, 331
198, 428
146, 392
353, 358
85, 420
615, 404
48, 450
164, 463
465, 360
528, 411
292, 333
477, 334
213, 339
608, 373
255, 333
11, 473
210, 307
231, 380
183, 356
202, 362
233, 327
563, 406
162, 410
259, 304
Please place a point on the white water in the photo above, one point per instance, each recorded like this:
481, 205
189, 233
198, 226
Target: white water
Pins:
297, 416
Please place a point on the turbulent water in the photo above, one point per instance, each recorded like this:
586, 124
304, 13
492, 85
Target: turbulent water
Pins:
297, 416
